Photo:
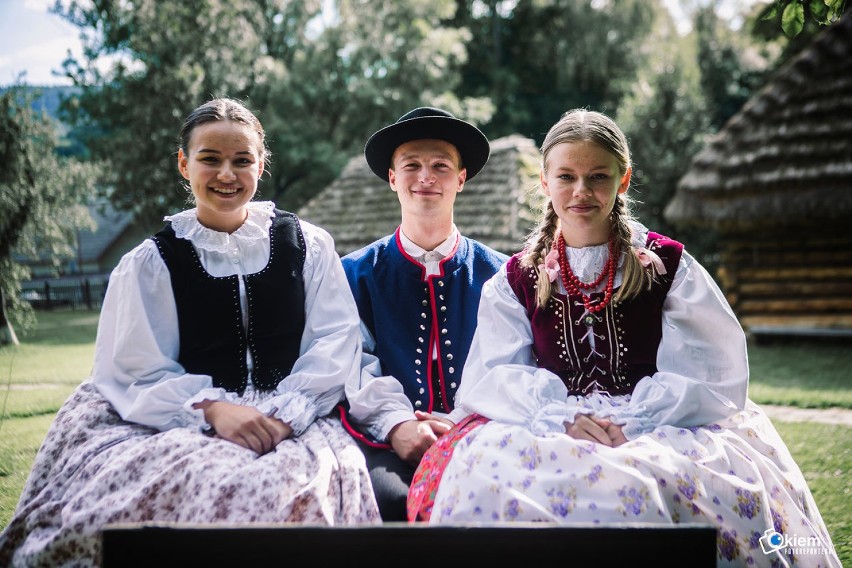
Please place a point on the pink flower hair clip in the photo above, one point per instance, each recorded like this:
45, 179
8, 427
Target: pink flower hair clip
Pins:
551, 264
647, 258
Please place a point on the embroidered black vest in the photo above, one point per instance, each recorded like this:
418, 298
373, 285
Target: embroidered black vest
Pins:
212, 338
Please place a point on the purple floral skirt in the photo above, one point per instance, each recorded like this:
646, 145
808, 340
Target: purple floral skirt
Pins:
736, 475
94, 468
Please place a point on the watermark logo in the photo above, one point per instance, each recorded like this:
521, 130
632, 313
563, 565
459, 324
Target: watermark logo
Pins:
773, 541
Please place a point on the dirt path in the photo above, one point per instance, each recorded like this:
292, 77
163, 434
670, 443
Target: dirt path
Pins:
840, 416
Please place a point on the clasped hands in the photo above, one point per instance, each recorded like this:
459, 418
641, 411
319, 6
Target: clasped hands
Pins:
412, 438
245, 425
594, 429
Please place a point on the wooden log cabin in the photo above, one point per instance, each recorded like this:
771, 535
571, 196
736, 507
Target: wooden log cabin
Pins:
776, 184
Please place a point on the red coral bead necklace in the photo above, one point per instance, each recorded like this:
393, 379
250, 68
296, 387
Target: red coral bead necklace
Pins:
575, 287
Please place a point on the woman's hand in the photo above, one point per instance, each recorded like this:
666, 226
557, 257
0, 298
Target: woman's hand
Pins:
600, 430
245, 425
616, 435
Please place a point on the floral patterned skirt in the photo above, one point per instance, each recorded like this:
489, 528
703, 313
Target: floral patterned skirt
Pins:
94, 468
736, 474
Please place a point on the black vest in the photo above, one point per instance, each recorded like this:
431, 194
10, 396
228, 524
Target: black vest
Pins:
212, 339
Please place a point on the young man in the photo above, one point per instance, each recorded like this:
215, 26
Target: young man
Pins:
417, 292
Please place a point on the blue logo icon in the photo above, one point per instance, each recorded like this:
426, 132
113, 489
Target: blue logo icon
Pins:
771, 541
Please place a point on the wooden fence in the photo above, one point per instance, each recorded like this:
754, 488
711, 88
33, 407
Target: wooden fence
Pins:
83, 293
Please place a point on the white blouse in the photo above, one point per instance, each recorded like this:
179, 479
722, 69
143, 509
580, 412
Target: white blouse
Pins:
702, 359
137, 345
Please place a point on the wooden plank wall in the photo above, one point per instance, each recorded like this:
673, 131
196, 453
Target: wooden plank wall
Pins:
796, 283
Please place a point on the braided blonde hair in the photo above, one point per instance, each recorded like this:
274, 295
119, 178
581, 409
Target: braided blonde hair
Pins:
576, 126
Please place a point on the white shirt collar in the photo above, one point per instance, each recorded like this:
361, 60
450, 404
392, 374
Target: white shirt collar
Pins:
440, 252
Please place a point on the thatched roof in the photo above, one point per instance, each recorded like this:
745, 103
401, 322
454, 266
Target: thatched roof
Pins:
786, 157
495, 207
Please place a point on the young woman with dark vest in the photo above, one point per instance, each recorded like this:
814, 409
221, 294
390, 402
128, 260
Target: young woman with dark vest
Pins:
223, 346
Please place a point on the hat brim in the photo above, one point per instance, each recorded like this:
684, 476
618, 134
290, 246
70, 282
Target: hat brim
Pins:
471, 143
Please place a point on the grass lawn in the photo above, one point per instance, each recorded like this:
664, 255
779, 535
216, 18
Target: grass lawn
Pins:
809, 374
20, 439
824, 454
37, 376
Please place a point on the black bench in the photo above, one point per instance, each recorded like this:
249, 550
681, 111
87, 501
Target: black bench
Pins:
409, 545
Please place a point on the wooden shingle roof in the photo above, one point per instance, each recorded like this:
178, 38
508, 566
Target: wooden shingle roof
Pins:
786, 157
497, 207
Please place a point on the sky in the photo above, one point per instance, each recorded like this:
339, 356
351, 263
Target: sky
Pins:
34, 41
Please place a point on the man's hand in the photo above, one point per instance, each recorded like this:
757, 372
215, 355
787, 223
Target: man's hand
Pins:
412, 438
245, 425
427, 416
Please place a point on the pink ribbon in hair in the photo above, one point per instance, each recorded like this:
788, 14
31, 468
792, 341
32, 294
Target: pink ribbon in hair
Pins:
551, 264
647, 257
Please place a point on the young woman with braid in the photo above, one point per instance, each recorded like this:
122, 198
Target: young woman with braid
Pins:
607, 382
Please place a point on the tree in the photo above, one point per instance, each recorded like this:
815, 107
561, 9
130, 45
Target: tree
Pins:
688, 89
145, 65
731, 66
320, 74
766, 24
348, 76
537, 59
791, 15
666, 119
40, 196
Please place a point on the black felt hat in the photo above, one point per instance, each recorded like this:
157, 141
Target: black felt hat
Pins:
428, 123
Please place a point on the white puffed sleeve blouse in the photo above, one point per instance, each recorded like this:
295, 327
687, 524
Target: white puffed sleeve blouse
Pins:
137, 344
702, 359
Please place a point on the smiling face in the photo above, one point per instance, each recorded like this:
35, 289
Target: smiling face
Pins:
427, 175
222, 163
583, 180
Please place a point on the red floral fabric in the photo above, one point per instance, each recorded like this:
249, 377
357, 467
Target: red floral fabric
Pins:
421, 495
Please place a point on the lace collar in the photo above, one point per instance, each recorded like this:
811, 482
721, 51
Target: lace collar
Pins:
255, 228
588, 262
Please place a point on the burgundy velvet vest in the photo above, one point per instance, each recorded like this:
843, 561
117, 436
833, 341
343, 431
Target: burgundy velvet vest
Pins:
618, 348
